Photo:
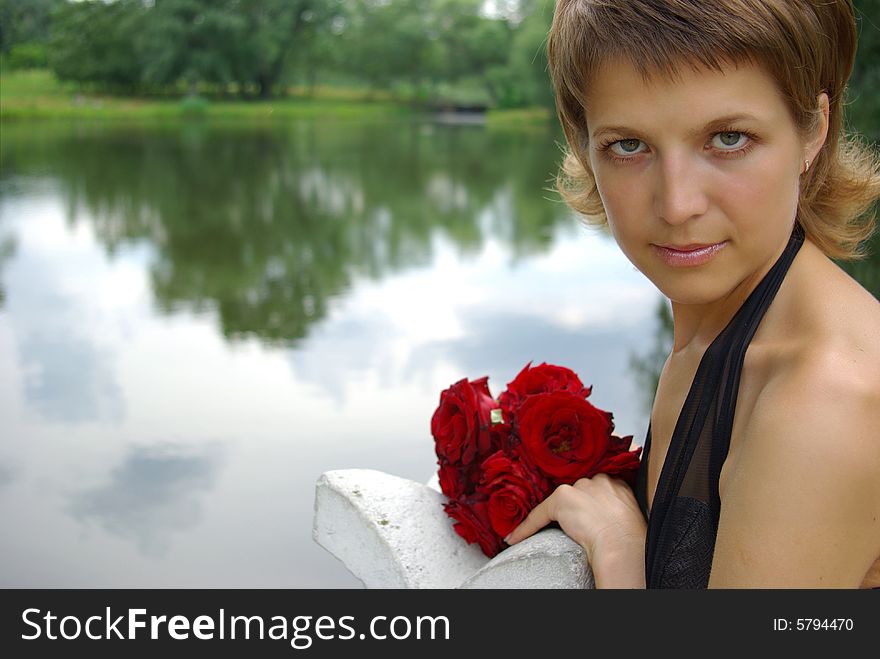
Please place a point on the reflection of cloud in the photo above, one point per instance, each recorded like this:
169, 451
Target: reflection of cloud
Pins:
58, 315
7, 474
500, 344
339, 350
69, 380
497, 343
153, 493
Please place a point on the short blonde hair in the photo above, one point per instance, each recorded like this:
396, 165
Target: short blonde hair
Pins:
806, 46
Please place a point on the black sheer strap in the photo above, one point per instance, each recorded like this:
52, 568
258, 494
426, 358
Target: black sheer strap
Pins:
683, 519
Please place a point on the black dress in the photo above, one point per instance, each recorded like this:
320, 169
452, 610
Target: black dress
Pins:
683, 520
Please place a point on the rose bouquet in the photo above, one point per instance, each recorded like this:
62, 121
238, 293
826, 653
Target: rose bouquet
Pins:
499, 459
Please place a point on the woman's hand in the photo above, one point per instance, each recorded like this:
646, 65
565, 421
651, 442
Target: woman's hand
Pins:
602, 515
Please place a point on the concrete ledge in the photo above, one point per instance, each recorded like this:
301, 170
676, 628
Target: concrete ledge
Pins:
391, 532
548, 559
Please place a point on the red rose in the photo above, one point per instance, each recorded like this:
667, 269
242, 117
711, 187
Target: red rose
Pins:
619, 460
619, 444
460, 424
563, 434
513, 490
541, 379
472, 524
457, 482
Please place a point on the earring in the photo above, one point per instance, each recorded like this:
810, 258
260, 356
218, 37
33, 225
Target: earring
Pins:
806, 166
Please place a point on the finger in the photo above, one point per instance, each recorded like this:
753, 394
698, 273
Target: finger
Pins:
536, 520
600, 479
583, 484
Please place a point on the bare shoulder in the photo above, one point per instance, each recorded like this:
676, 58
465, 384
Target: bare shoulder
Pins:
801, 506
828, 376
830, 373
827, 391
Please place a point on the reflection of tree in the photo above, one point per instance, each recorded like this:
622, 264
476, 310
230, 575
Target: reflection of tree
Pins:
648, 367
267, 225
7, 251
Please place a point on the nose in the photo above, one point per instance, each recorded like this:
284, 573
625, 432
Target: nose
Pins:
680, 193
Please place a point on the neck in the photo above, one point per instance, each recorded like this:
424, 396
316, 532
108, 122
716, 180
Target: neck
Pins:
695, 326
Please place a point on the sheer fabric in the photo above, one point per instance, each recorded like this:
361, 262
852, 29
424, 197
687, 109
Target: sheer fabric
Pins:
683, 520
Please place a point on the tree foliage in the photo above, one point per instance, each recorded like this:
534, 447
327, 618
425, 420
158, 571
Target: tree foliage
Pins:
260, 47
25, 22
91, 42
24, 31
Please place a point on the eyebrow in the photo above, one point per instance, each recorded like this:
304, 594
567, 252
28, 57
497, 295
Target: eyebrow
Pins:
714, 125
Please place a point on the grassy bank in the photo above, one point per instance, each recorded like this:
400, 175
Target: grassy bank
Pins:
537, 118
28, 95
38, 95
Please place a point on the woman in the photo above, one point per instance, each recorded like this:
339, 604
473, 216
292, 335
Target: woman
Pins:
708, 136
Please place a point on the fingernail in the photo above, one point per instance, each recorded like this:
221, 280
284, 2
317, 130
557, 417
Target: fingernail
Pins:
507, 537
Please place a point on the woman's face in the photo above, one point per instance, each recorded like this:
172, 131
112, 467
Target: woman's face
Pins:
699, 177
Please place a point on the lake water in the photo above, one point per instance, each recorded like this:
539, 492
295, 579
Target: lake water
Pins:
197, 321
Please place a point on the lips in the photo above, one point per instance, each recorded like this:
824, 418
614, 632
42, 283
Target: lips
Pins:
694, 254
688, 248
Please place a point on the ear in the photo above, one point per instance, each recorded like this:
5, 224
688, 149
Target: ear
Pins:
815, 143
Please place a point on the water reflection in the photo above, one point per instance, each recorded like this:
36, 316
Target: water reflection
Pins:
155, 492
351, 347
69, 380
648, 365
595, 354
299, 296
7, 251
67, 369
7, 474
267, 226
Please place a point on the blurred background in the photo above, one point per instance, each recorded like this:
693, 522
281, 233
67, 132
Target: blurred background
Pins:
243, 242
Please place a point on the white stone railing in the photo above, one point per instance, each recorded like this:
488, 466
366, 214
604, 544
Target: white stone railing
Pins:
391, 532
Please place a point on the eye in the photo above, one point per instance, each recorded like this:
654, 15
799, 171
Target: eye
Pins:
625, 147
729, 140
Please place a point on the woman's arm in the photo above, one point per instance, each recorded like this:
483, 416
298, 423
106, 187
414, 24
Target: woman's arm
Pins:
602, 515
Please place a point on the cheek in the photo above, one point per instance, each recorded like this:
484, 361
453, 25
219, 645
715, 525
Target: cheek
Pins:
625, 203
762, 191
628, 209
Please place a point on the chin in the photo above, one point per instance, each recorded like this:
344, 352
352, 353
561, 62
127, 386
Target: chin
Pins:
693, 288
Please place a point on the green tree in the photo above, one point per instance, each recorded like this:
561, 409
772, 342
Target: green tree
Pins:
473, 44
319, 48
387, 41
25, 22
423, 44
864, 87
524, 80
24, 32
190, 41
218, 42
276, 33
92, 42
